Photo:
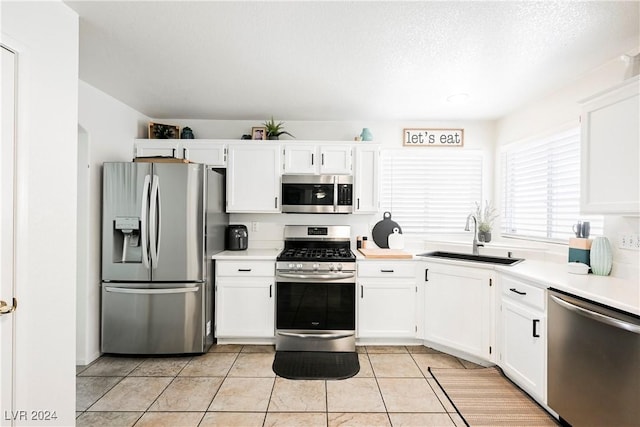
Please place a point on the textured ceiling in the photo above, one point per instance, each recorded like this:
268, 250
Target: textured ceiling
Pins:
338, 60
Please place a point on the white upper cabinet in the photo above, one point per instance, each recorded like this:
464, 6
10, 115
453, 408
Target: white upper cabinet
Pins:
316, 159
253, 178
366, 179
610, 177
157, 148
211, 153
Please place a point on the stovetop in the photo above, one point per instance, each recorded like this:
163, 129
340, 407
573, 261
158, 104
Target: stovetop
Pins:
317, 254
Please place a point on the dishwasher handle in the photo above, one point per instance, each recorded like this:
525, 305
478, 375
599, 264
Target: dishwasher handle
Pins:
602, 318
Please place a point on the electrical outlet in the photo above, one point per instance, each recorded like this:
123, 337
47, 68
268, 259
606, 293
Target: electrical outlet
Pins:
629, 241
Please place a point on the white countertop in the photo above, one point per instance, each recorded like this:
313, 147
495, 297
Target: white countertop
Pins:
623, 294
254, 254
612, 291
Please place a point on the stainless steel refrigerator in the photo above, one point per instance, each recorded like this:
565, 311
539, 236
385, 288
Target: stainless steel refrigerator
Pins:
161, 222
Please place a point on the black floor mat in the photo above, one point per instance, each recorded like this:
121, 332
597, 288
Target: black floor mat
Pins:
316, 365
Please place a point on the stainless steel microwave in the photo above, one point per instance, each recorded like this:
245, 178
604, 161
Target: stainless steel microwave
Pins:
317, 194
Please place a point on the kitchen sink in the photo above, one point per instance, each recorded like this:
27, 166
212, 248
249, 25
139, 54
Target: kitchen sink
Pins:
473, 258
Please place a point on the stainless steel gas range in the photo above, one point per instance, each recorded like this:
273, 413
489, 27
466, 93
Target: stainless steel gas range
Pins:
316, 290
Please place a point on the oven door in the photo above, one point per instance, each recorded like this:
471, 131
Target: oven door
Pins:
315, 316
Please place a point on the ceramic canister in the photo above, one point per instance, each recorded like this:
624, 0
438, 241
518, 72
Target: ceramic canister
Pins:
601, 258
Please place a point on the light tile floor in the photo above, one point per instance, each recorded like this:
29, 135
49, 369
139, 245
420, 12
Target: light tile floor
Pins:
233, 385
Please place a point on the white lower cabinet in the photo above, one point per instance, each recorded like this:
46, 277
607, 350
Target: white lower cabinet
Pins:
386, 300
458, 308
245, 295
523, 335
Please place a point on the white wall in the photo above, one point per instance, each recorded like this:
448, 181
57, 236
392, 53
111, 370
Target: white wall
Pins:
559, 110
45, 36
110, 127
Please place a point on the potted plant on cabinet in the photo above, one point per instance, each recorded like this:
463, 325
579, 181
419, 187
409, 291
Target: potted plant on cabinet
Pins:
274, 130
485, 217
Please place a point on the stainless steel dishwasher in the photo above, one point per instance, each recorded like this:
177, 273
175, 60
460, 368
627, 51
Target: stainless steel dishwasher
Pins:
593, 373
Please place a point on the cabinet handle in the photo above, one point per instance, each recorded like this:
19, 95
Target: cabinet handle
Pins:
244, 270
358, 205
386, 271
311, 159
276, 203
322, 159
173, 152
184, 153
426, 274
361, 291
270, 291
535, 331
517, 291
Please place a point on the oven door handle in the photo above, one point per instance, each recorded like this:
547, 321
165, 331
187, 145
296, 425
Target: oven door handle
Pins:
323, 336
316, 276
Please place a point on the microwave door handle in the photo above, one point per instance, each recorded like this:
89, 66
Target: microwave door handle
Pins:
336, 189
144, 221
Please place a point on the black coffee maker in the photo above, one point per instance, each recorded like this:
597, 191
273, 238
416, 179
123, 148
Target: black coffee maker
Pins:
237, 238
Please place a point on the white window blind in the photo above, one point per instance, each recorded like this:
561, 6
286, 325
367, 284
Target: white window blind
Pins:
428, 191
541, 183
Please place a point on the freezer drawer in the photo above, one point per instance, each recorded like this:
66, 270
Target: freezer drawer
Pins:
164, 319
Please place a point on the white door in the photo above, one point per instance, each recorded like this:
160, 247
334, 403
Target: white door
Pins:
7, 185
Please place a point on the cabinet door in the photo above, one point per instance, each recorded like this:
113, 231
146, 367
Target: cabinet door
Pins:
253, 178
610, 176
244, 308
335, 160
366, 181
522, 354
300, 159
387, 308
457, 309
207, 153
157, 148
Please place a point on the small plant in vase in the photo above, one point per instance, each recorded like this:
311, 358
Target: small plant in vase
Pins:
274, 130
485, 216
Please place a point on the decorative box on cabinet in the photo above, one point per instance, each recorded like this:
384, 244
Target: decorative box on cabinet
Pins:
610, 134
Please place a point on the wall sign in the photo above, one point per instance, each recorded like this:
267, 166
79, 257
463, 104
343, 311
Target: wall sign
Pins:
422, 137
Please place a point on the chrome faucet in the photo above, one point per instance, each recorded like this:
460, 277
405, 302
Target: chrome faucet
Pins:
475, 243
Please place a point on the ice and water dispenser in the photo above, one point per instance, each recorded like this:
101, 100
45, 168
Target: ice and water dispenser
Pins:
126, 240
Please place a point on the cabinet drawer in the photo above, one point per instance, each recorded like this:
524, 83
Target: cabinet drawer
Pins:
386, 269
524, 293
245, 268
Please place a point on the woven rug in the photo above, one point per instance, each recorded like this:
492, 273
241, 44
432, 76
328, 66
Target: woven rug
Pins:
485, 397
315, 365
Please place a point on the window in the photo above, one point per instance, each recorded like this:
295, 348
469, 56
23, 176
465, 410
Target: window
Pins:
541, 184
431, 191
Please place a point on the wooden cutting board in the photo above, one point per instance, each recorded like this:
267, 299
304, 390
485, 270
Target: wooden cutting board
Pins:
385, 253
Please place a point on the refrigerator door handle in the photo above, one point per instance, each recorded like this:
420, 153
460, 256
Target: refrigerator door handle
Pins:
144, 219
155, 221
154, 291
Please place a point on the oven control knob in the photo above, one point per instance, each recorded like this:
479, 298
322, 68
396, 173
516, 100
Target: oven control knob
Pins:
331, 267
339, 267
315, 266
299, 266
292, 266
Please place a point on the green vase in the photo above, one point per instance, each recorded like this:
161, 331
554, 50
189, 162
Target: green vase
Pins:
600, 257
